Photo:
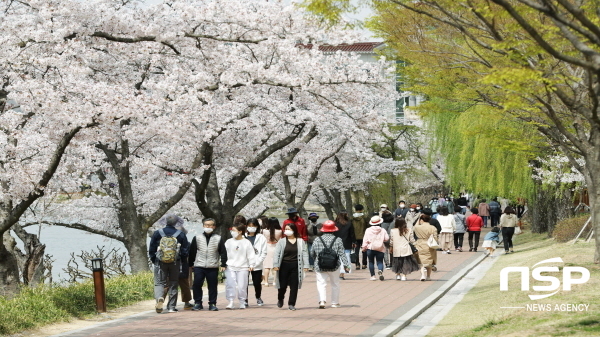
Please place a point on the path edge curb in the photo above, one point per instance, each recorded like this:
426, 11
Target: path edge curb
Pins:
404, 320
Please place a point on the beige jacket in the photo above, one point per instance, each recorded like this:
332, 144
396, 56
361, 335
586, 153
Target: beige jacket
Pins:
399, 242
508, 220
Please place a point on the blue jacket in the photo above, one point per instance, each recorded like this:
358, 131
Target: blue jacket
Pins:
491, 236
169, 230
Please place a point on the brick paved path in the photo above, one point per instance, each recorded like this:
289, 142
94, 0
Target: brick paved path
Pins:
367, 307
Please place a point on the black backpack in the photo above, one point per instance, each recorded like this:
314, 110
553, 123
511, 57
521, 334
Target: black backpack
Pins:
328, 258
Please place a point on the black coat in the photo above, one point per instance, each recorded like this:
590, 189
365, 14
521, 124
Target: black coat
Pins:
346, 233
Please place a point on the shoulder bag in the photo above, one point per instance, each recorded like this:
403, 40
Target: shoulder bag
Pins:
432, 242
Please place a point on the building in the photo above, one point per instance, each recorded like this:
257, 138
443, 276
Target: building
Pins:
400, 114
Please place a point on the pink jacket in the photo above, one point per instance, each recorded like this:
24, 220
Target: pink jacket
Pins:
374, 238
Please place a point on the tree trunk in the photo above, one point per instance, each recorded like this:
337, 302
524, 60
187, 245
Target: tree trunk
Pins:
9, 271
592, 163
348, 201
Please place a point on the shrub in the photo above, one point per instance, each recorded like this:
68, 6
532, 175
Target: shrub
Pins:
42, 305
567, 229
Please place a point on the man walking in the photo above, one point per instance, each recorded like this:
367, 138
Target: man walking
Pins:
205, 252
168, 246
495, 212
360, 222
328, 252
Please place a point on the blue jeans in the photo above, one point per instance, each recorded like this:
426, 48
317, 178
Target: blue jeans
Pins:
373, 255
311, 261
485, 220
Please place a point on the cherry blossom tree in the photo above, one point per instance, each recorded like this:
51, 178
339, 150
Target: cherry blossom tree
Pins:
218, 94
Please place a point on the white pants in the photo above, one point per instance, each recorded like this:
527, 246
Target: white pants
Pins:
334, 277
342, 271
236, 280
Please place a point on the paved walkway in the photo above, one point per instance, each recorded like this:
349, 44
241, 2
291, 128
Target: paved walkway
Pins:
367, 308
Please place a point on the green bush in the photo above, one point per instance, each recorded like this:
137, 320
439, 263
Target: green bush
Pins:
42, 305
567, 229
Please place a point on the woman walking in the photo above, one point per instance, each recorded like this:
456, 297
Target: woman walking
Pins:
346, 233
290, 260
448, 226
259, 243
272, 234
474, 224
403, 259
508, 222
461, 228
412, 216
329, 244
423, 231
373, 244
240, 261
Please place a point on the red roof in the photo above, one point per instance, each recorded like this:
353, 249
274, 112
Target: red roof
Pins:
360, 47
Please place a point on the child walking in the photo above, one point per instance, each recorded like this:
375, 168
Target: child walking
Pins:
491, 240
240, 261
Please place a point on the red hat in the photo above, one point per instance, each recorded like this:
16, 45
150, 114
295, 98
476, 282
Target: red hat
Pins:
329, 226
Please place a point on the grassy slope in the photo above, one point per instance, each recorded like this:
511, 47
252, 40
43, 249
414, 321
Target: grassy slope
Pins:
479, 313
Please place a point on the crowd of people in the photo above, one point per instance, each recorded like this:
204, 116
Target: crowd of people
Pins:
270, 253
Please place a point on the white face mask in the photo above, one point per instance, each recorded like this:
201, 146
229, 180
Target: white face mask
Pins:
234, 234
418, 208
288, 233
208, 230
251, 229
411, 209
402, 205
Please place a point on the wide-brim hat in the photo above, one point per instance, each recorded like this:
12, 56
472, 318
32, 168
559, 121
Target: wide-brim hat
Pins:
413, 206
329, 226
291, 210
376, 220
383, 206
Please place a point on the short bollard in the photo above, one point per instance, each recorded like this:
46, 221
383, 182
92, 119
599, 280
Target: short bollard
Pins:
99, 292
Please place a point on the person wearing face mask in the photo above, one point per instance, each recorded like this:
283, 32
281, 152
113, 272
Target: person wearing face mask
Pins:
241, 260
412, 216
401, 210
273, 234
205, 252
419, 207
290, 259
259, 242
297, 220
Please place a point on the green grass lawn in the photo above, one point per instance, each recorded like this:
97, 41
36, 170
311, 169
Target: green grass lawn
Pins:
479, 313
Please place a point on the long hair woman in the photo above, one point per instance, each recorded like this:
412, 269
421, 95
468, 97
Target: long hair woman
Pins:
273, 234
403, 259
346, 233
508, 222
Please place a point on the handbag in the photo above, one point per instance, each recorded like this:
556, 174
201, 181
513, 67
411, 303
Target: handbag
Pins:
518, 230
412, 247
432, 242
353, 257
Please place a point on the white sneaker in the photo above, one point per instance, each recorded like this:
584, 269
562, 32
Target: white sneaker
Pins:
242, 305
403, 278
398, 277
229, 306
336, 305
373, 278
322, 305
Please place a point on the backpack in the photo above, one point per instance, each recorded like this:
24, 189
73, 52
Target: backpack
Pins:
328, 258
168, 248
